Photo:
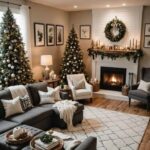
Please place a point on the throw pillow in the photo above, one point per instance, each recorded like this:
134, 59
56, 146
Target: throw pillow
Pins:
26, 102
12, 107
79, 85
2, 111
145, 86
56, 92
46, 97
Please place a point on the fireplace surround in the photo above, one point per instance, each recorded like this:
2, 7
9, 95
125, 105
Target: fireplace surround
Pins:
112, 78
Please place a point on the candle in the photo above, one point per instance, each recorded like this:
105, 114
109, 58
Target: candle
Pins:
136, 45
130, 43
99, 43
133, 43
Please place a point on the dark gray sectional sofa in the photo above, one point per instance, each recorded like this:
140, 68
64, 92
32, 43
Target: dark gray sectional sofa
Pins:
40, 116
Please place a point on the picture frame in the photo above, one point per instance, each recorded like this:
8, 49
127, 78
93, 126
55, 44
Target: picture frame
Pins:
50, 34
85, 32
39, 34
59, 34
147, 29
147, 42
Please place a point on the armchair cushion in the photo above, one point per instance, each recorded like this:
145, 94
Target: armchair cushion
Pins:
139, 94
83, 92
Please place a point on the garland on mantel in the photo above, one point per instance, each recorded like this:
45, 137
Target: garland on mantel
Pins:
113, 54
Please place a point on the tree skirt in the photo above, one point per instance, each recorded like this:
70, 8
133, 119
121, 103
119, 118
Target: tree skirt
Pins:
114, 130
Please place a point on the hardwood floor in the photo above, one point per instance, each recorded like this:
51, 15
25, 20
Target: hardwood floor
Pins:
122, 106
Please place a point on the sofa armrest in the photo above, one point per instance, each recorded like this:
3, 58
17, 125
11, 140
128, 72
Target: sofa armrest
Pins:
88, 144
89, 86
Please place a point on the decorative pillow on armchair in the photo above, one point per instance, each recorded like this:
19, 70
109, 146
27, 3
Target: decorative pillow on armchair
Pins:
79, 84
12, 107
46, 97
145, 86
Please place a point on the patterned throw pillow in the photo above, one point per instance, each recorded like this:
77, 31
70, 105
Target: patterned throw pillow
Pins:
26, 102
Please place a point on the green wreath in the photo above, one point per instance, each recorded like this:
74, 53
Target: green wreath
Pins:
118, 26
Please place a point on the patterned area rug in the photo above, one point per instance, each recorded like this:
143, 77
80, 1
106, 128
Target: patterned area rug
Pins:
114, 130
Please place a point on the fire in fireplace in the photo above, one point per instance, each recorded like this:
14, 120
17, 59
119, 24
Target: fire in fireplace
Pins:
112, 78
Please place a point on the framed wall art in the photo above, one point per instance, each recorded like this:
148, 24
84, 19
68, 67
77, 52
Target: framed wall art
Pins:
85, 32
147, 42
50, 34
39, 34
59, 35
147, 29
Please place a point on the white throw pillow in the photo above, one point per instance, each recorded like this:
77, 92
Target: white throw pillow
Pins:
12, 107
46, 97
56, 92
79, 84
145, 86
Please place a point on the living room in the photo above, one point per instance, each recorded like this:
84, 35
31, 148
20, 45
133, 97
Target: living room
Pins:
74, 74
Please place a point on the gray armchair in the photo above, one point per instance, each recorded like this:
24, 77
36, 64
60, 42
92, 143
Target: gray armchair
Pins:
141, 95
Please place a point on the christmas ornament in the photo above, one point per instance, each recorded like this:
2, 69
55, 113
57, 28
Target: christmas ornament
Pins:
12, 75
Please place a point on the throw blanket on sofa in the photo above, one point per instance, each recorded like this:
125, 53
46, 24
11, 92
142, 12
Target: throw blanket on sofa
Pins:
18, 90
66, 110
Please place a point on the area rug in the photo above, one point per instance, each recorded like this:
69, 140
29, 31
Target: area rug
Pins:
114, 130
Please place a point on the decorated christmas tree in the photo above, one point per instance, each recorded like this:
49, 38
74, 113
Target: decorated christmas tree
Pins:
14, 64
73, 57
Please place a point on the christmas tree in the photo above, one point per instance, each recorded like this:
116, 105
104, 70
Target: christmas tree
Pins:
14, 65
73, 57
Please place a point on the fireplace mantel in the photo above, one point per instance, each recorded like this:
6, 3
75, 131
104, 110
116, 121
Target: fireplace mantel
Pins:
113, 54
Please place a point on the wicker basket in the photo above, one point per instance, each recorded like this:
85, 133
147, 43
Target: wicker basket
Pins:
11, 140
125, 90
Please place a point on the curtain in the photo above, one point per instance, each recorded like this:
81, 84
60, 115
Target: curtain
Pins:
25, 30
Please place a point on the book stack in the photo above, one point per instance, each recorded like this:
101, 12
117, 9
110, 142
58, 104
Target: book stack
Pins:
42, 146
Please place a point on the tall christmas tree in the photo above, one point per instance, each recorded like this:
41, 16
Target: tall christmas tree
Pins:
14, 65
73, 57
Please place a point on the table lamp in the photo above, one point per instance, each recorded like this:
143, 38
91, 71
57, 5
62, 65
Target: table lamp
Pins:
46, 60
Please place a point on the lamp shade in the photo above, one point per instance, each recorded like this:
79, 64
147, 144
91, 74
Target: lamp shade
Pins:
46, 60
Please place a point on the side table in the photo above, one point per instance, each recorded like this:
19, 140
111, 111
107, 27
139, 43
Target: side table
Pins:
66, 94
95, 86
53, 83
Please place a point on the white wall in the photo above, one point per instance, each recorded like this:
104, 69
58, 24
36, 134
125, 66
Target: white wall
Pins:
131, 16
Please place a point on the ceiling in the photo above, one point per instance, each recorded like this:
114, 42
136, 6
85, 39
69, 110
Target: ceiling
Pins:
89, 4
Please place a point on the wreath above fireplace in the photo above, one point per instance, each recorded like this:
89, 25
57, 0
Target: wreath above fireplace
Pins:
115, 30
113, 54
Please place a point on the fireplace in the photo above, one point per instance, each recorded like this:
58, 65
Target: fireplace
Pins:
112, 78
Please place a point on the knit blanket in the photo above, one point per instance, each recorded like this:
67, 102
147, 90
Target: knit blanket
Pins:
66, 110
18, 90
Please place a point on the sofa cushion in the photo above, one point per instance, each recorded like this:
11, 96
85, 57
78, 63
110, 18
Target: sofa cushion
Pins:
32, 116
33, 91
5, 94
139, 93
6, 125
83, 92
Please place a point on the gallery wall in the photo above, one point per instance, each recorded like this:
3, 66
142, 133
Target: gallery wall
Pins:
145, 61
47, 15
